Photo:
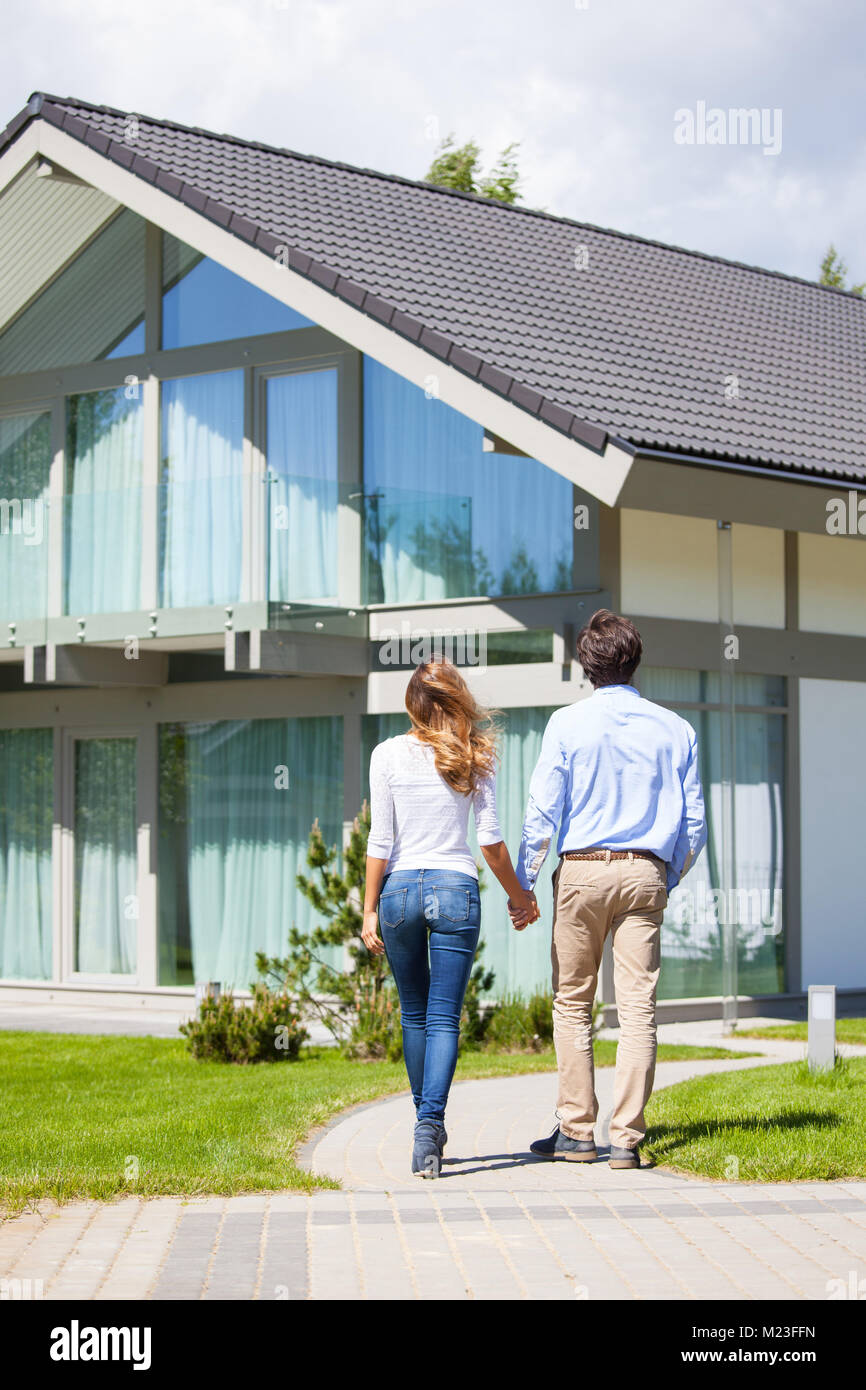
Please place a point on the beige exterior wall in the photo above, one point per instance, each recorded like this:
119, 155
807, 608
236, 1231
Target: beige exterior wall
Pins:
669, 566
833, 585
670, 569
759, 576
832, 775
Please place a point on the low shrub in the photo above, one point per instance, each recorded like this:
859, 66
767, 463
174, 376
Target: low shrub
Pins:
516, 1024
266, 1029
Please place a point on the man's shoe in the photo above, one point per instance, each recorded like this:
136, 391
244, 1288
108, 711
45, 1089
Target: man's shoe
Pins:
624, 1158
559, 1145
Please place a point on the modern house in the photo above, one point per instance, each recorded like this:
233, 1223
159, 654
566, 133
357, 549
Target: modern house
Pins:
272, 427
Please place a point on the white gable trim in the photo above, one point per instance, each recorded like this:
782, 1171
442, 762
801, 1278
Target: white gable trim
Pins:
602, 475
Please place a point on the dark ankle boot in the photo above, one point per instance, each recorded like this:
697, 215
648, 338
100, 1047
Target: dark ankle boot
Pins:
426, 1154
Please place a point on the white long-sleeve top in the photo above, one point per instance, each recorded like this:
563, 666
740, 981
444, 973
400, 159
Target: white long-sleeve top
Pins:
416, 820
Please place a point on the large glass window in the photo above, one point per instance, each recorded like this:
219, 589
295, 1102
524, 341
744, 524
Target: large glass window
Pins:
444, 518
302, 485
520, 960
698, 908
26, 815
203, 302
102, 534
106, 875
25, 462
201, 492
93, 309
237, 800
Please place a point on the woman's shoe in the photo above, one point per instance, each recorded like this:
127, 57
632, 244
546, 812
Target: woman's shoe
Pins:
443, 1136
426, 1152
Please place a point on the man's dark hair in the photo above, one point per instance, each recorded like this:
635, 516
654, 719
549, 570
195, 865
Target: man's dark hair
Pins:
609, 649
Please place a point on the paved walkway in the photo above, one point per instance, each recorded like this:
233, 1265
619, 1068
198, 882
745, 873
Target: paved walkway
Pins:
499, 1224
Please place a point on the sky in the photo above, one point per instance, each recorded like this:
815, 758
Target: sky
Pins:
609, 99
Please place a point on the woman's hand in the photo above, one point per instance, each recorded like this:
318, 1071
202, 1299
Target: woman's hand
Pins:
523, 910
370, 934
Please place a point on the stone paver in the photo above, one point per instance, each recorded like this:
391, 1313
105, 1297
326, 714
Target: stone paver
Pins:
499, 1224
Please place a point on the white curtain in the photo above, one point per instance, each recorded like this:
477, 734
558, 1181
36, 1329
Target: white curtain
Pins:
26, 813
521, 959
106, 888
444, 518
201, 520
302, 485
698, 908
251, 791
103, 502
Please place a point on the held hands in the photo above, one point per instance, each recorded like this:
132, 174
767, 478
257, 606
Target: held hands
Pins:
370, 934
523, 910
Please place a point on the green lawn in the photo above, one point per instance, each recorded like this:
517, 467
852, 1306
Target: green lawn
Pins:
769, 1124
91, 1116
848, 1030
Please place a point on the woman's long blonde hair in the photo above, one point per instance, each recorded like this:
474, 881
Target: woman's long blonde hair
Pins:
445, 714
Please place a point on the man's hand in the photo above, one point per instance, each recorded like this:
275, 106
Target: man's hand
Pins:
370, 934
523, 910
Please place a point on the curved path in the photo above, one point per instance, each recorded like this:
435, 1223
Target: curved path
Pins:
499, 1224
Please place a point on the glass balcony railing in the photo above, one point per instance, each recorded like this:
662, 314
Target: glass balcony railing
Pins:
190, 556
498, 540
417, 546
203, 555
302, 518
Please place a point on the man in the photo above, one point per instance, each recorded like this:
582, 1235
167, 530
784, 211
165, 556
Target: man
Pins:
617, 781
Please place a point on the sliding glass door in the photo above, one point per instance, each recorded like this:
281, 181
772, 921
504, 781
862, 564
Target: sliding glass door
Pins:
101, 864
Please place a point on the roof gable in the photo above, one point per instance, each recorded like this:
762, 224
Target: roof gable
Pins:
597, 334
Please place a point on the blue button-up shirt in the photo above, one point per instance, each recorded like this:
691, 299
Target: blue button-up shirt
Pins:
615, 772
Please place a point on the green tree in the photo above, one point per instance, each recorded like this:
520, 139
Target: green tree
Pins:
459, 166
503, 180
521, 575
834, 271
358, 1004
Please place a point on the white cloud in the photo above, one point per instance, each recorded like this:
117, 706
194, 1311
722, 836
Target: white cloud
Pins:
590, 94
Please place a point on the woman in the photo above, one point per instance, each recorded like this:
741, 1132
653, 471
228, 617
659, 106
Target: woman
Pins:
422, 881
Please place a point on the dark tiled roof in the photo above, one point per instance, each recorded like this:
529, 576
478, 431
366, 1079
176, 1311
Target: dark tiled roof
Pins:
642, 343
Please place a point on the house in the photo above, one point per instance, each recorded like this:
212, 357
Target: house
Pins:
269, 424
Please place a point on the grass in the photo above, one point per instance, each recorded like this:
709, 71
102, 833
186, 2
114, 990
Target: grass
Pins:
92, 1116
770, 1124
848, 1030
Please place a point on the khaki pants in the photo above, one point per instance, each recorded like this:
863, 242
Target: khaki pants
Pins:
625, 897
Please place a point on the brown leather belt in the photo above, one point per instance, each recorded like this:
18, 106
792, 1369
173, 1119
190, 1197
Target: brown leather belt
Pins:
606, 854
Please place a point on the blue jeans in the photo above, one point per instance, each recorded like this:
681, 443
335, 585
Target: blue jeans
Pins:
431, 974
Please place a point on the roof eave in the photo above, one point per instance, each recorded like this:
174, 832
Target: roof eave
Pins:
139, 183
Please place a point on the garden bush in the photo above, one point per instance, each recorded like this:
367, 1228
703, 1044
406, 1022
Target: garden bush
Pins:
266, 1029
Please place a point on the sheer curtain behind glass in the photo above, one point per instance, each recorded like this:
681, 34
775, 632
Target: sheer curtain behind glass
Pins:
302, 485
103, 502
25, 460
26, 814
442, 517
692, 929
201, 495
106, 887
237, 801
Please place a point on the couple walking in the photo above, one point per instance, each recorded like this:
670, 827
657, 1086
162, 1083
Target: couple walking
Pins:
617, 787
